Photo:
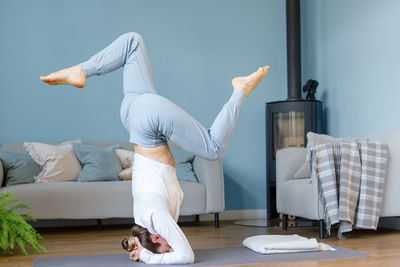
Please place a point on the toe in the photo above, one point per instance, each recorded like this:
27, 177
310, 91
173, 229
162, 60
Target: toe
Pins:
44, 79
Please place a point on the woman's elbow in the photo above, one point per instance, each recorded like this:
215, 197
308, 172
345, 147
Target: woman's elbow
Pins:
189, 259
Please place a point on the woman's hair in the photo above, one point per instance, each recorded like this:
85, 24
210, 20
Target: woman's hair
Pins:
128, 243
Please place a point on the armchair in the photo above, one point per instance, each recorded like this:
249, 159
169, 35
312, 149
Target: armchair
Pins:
300, 197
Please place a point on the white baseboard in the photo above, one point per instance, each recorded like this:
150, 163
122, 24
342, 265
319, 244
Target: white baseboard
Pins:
236, 215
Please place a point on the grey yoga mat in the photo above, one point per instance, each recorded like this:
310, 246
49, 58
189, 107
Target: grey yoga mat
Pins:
203, 257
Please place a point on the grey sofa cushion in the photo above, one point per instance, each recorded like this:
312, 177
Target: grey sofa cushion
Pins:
183, 165
95, 200
98, 164
74, 200
19, 167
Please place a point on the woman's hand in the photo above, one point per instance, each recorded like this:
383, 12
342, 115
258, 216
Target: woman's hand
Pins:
135, 253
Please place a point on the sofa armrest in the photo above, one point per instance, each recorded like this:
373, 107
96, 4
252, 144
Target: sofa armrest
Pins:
288, 162
210, 174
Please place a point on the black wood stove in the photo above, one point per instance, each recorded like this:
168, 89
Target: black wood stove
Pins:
288, 121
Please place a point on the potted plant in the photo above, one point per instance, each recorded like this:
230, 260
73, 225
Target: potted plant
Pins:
14, 230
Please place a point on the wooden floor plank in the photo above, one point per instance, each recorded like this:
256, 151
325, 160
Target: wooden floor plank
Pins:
382, 246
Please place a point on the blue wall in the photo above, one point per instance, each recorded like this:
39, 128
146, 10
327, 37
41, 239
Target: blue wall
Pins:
196, 48
353, 49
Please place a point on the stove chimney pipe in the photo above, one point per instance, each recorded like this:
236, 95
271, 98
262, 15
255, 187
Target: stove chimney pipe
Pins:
293, 49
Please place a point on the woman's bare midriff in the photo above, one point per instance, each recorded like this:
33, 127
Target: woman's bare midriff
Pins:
161, 154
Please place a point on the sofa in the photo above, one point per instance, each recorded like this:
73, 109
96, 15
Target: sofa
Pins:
113, 199
299, 196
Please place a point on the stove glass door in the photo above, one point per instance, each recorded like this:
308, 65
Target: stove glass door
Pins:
288, 129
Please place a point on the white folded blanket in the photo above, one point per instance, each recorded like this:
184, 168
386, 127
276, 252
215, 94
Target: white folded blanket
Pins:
268, 244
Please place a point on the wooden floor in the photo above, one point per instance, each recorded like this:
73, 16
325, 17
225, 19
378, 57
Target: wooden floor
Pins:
382, 246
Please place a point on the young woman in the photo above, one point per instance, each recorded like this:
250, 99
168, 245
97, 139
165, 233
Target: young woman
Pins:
151, 121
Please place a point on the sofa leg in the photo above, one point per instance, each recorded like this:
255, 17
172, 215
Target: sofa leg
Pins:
284, 222
321, 229
216, 218
98, 224
197, 218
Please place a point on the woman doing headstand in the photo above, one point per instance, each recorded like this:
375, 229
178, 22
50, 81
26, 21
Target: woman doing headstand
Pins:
151, 121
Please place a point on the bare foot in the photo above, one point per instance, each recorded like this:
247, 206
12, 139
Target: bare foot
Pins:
248, 83
73, 76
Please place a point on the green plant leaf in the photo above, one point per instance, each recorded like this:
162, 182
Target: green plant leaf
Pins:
22, 246
14, 229
28, 217
20, 206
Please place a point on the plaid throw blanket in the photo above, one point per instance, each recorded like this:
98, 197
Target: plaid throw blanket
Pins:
350, 178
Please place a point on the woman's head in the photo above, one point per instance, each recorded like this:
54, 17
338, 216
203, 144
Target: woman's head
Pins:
154, 243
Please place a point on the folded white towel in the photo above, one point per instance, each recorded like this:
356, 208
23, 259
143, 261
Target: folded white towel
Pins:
268, 244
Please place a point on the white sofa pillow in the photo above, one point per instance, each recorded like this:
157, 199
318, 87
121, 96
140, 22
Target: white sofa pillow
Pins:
58, 162
126, 174
126, 159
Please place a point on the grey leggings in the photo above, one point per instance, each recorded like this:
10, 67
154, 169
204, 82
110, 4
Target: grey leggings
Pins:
151, 119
